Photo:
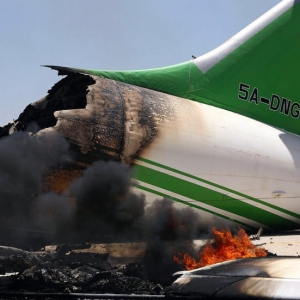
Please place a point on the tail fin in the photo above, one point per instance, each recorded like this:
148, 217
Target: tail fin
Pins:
255, 73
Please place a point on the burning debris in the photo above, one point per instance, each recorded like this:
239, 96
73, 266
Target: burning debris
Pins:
225, 246
84, 268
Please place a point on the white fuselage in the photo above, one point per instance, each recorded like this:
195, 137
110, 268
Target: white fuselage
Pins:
253, 169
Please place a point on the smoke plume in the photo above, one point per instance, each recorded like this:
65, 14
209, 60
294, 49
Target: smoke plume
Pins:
98, 207
106, 209
24, 159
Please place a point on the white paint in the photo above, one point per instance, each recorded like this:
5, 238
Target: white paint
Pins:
233, 151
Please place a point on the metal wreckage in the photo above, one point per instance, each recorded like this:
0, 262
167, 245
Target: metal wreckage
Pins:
219, 133
107, 120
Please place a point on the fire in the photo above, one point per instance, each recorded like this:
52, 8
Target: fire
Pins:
59, 180
224, 247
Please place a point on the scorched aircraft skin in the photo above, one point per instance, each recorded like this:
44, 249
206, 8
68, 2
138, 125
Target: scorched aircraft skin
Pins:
218, 133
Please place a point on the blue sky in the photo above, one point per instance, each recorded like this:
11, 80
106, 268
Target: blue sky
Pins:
106, 34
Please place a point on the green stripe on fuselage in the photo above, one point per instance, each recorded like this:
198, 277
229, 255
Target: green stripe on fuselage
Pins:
288, 212
193, 205
212, 198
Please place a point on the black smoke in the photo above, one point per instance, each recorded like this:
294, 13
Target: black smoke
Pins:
106, 210
24, 159
168, 231
98, 207
105, 207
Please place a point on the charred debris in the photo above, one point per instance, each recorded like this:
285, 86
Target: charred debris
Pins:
62, 269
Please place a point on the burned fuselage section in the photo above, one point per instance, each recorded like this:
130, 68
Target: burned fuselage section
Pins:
102, 119
118, 122
69, 93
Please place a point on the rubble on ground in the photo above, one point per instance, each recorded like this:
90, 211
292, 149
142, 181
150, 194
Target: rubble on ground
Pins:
63, 270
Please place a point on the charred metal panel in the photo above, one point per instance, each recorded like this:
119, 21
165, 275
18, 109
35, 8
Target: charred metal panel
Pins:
119, 120
98, 128
144, 110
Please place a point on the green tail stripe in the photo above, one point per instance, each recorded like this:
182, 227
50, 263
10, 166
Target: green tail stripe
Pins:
193, 205
154, 79
212, 198
220, 187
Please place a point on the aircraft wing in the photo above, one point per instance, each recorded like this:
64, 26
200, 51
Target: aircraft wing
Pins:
251, 278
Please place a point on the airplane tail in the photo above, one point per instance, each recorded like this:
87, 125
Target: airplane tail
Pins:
255, 73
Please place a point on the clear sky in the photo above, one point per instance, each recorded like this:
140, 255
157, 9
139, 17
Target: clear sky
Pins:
106, 34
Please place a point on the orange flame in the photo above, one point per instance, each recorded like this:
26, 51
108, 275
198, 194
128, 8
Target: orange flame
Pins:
224, 247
